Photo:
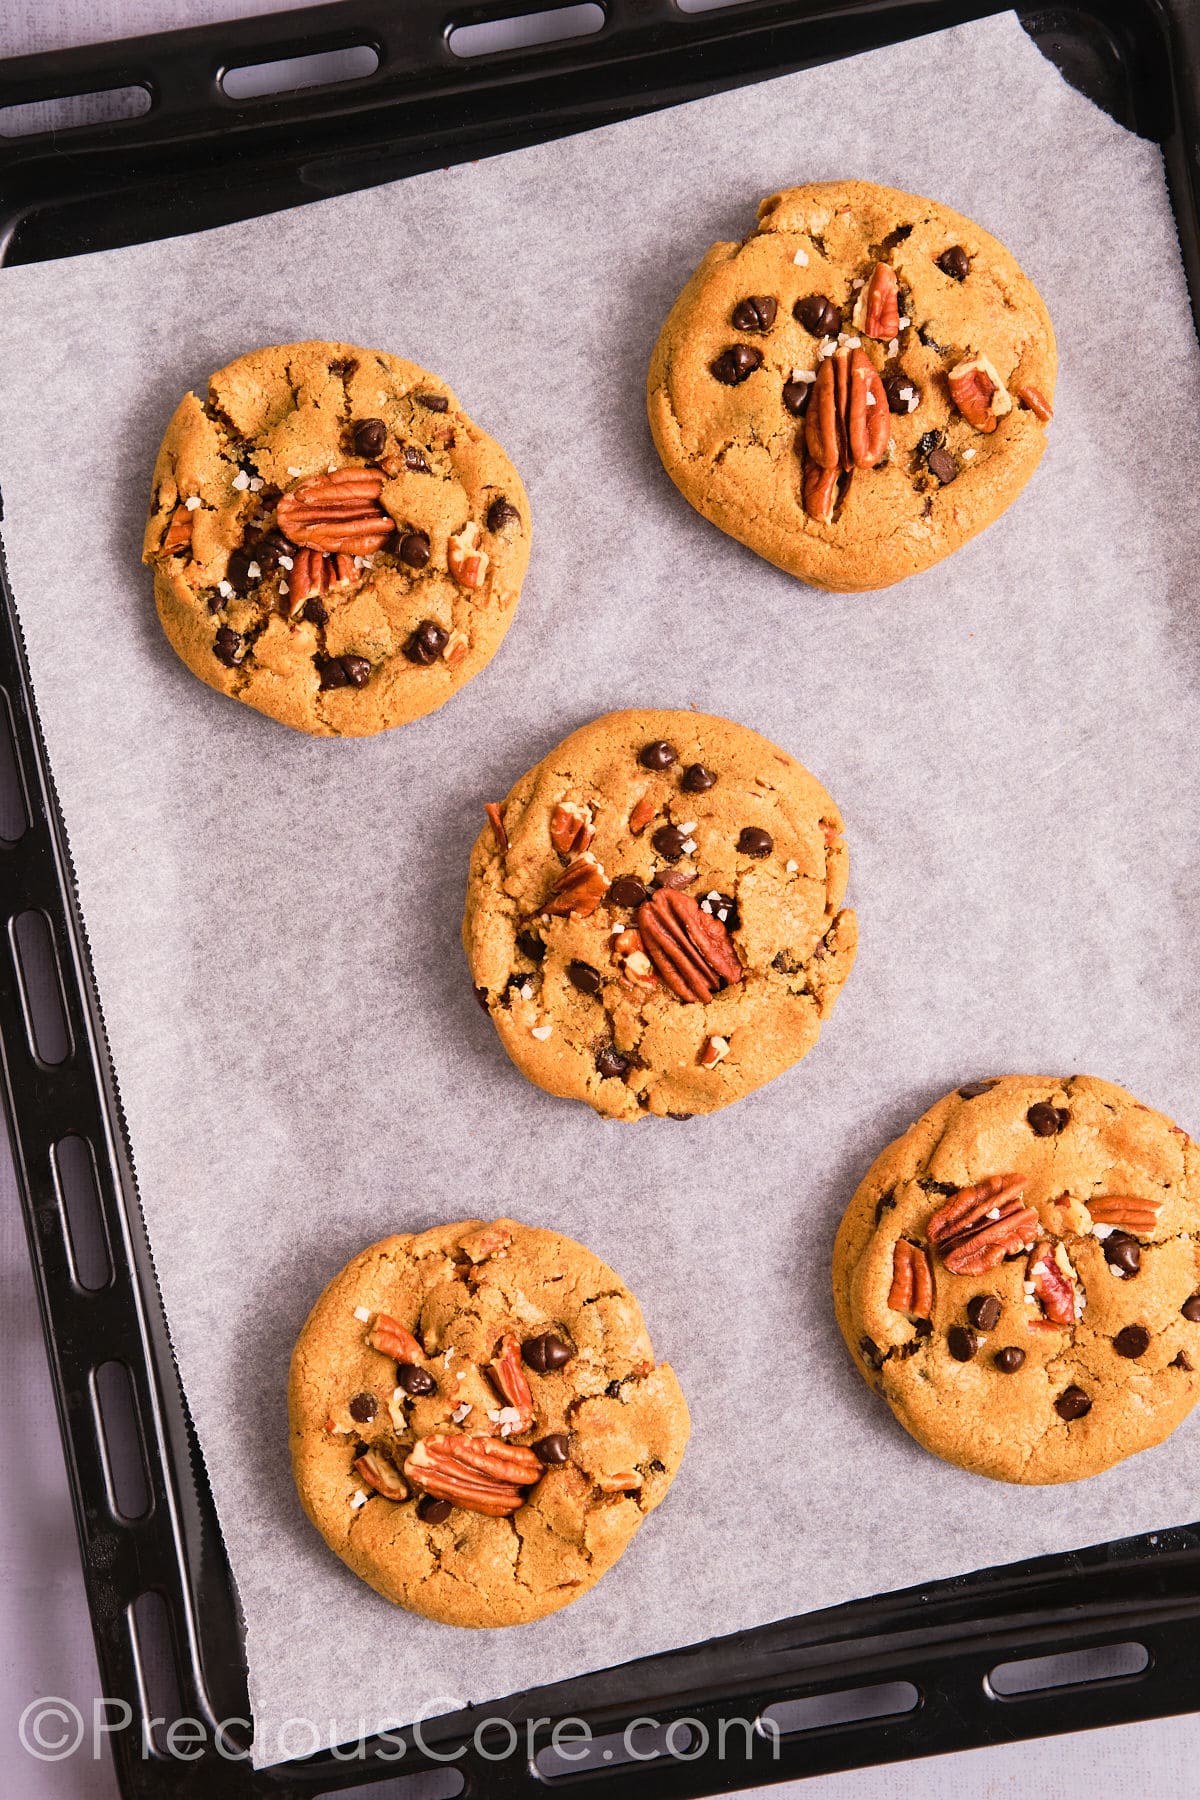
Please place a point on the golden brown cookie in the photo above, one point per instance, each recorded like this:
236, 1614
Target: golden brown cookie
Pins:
1019, 1277
333, 540
478, 1424
654, 918
858, 387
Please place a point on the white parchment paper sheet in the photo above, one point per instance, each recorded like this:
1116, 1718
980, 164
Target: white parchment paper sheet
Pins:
275, 921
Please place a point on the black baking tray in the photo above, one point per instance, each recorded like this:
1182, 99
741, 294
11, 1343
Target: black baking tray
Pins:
901, 1675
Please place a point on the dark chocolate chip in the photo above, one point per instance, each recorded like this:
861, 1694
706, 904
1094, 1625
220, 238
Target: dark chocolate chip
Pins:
961, 1343
610, 1063
613, 1390
671, 878
955, 262
1181, 1362
756, 313
530, 945
237, 570
1010, 1359
433, 402
871, 1354
668, 840
973, 1089
930, 342
697, 779
681, 1117
884, 1204
344, 367
1072, 1403
584, 977
501, 513
432, 1511
984, 1311
413, 549
358, 670
658, 755
943, 465
736, 364
227, 647
795, 397
370, 435
551, 1450
922, 1327
818, 315
363, 1408
315, 611
754, 841
1132, 1341
415, 1380
1191, 1310
1122, 1252
271, 547
481, 994
627, 890
333, 671
415, 460
1046, 1120
903, 394
929, 441
426, 643
516, 984
715, 904
546, 1353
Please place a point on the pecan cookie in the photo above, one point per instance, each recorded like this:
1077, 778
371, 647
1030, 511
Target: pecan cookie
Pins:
1019, 1277
857, 388
333, 540
654, 917
478, 1424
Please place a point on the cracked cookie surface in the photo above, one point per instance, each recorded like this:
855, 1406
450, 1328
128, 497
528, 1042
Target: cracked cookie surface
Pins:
333, 540
912, 295
406, 1350
654, 917
1019, 1277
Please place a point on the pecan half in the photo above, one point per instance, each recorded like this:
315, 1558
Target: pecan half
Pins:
467, 562
818, 490
509, 1377
912, 1280
877, 309
480, 1474
692, 951
336, 512
1054, 1283
571, 828
392, 1339
1036, 401
492, 809
978, 392
579, 889
379, 1472
179, 533
983, 1224
637, 971
314, 573
1128, 1212
848, 424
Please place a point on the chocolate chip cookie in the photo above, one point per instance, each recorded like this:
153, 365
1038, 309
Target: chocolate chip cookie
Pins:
478, 1424
858, 387
1019, 1277
333, 540
654, 919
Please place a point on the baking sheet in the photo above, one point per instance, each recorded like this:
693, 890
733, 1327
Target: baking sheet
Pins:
274, 920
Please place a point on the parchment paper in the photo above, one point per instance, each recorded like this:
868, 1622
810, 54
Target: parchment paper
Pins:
275, 921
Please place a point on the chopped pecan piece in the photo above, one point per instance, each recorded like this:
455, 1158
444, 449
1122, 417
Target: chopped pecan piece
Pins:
912, 1280
692, 951
579, 889
392, 1339
179, 533
509, 1377
1036, 401
457, 645
640, 817
467, 562
714, 1051
877, 309
978, 392
382, 1474
637, 971
1054, 1283
819, 491
337, 512
1128, 1212
571, 828
314, 573
492, 809
982, 1225
480, 1474
488, 1242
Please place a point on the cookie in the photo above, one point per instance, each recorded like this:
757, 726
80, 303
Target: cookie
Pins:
478, 1425
858, 387
654, 919
333, 540
1019, 1277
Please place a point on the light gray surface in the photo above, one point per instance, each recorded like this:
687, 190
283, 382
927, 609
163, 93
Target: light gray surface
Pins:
751, 576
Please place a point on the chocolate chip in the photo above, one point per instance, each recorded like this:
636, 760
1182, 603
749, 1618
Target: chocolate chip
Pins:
433, 402
757, 313
546, 1353
270, 548
315, 611
613, 1390
1191, 1310
973, 1089
551, 1450
1045, 1120
426, 643
961, 1343
627, 890
344, 367
415, 460
227, 647
984, 1312
795, 397
682, 1118
531, 946
413, 549
955, 262
610, 1063
1123, 1252
818, 315
584, 977
481, 994
943, 465
1132, 1341
516, 985
370, 435
363, 1408
659, 755
736, 364
929, 441
1010, 1359
671, 878
754, 841
697, 779
1072, 1403
432, 1511
237, 570
885, 1204
668, 840
415, 1380
501, 513
903, 394
333, 671
723, 908
871, 1354
1181, 1362
358, 670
